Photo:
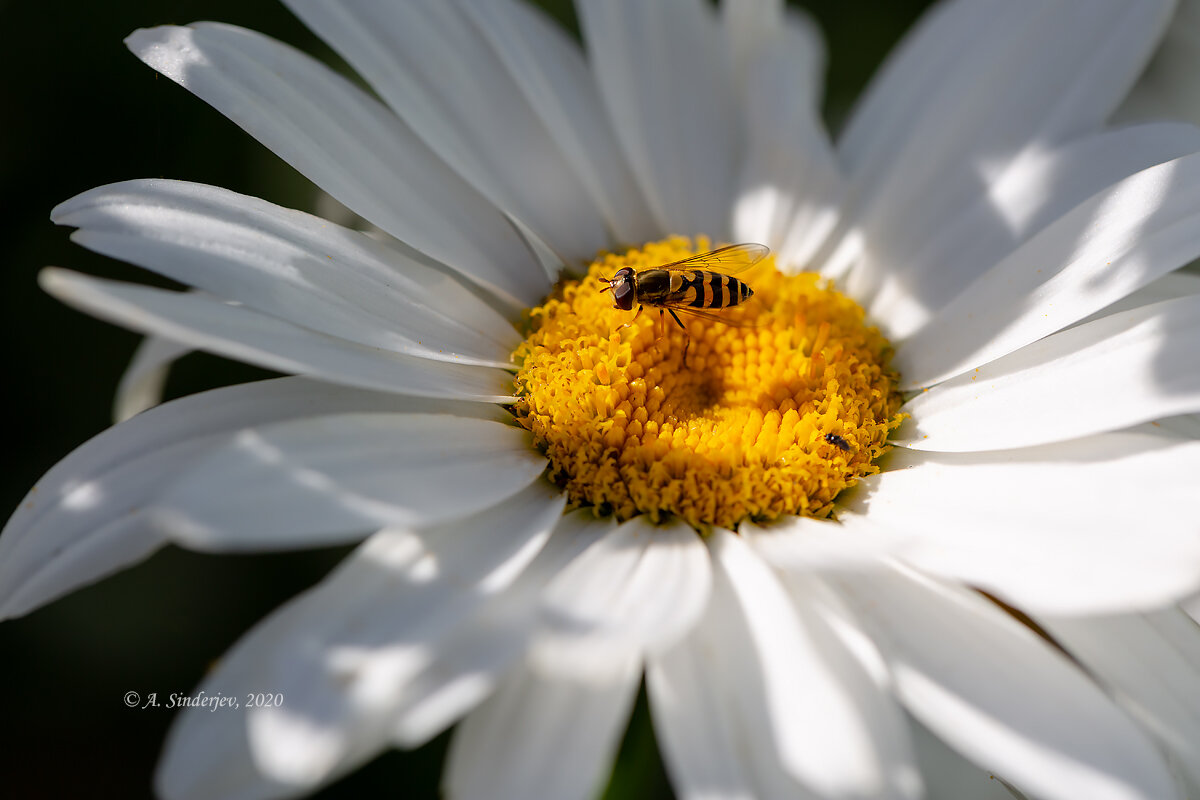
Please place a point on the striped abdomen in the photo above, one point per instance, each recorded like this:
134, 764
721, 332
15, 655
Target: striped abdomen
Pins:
697, 288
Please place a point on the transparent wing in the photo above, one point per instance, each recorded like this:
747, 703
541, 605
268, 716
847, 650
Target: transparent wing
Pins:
729, 260
711, 316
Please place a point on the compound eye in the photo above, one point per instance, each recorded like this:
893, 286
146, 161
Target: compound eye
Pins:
623, 295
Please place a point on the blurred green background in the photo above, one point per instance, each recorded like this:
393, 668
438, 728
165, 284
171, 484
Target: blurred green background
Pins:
80, 111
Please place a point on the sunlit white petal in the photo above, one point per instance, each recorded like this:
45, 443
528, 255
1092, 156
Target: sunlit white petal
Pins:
549, 68
541, 735
349, 145
341, 651
639, 589
1033, 191
329, 478
204, 323
88, 516
664, 78
1030, 716
1107, 247
1111, 373
1049, 529
1152, 661
290, 265
469, 660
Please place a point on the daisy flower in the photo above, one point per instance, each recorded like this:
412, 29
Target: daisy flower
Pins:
921, 505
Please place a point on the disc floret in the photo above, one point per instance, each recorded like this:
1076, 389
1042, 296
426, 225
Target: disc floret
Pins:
741, 431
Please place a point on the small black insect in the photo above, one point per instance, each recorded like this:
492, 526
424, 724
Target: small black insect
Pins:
837, 441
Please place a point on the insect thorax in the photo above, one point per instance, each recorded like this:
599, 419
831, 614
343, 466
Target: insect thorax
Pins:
653, 285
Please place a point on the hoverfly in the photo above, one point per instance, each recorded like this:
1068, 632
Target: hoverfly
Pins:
691, 285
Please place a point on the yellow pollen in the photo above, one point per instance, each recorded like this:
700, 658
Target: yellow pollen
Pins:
773, 414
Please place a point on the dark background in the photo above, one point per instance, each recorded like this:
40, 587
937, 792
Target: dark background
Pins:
80, 111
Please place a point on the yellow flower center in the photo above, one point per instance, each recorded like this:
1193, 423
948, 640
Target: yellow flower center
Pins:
774, 413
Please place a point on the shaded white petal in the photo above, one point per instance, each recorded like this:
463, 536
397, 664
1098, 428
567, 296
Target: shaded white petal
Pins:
755, 702
806, 544
1001, 696
1152, 661
440, 74
710, 710
1058, 89
549, 68
1191, 607
1184, 426
541, 736
339, 652
141, 385
969, 89
290, 265
87, 517
1033, 191
466, 663
790, 188
240, 333
748, 22
637, 590
949, 776
327, 479
839, 650
665, 79
697, 727
1107, 247
349, 145
1179, 283
1117, 371
1050, 529
1168, 89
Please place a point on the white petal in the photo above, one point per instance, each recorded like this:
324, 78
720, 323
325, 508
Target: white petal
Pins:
1001, 696
1152, 661
712, 718
467, 661
1107, 247
327, 479
349, 145
639, 589
1167, 89
290, 265
141, 385
541, 736
87, 517
756, 702
549, 68
1049, 529
441, 76
939, 62
1179, 283
748, 23
667, 84
973, 86
1184, 426
1031, 192
1117, 371
340, 652
949, 776
245, 335
840, 663
790, 188
806, 544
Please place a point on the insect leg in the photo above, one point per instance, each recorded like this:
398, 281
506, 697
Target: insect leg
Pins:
635, 316
687, 340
